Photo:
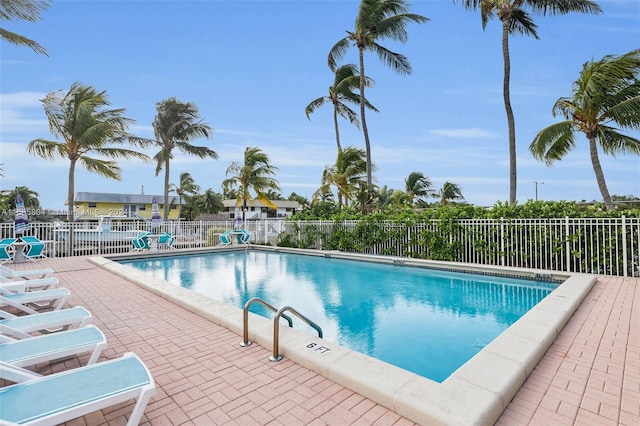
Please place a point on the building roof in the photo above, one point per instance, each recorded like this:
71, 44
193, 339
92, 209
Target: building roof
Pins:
258, 203
99, 197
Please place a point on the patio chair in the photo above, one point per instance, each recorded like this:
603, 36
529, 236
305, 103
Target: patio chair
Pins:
30, 301
8, 274
166, 239
74, 393
54, 346
34, 247
141, 242
244, 237
7, 251
21, 327
225, 238
7, 287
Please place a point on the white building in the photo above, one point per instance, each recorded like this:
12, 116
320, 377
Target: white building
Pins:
256, 209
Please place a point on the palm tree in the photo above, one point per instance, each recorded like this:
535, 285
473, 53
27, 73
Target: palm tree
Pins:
607, 91
186, 188
346, 174
449, 192
515, 19
175, 126
417, 185
211, 202
376, 20
29, 197
26, 10
255, 174
81, 120
346, 79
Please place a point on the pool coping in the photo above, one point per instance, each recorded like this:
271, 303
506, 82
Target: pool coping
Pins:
476, 393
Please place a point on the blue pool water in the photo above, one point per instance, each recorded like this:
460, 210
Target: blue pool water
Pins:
426, 321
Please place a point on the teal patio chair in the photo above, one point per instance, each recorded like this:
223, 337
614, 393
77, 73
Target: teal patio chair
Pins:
34, 248
7, 251
74, 393
166, 239
225, 238
141, 242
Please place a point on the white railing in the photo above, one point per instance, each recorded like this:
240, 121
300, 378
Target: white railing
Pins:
607, 246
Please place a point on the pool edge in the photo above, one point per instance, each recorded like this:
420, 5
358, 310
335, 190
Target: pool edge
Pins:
476, 393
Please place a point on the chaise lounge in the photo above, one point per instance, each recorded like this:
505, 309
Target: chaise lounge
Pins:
75, 393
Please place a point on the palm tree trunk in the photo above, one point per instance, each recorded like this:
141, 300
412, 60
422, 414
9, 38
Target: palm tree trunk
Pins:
365, 131
165, 208
335, 125
513, 178
71, 204
597, 168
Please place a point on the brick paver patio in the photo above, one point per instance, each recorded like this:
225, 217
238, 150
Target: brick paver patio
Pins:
590, 375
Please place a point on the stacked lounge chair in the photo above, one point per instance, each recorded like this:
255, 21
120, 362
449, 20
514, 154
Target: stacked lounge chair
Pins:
29, 336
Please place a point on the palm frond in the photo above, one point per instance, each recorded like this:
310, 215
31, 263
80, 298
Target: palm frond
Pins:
553, 142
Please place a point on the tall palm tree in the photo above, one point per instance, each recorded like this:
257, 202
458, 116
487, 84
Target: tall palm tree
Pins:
417, 185
186, 188
176, 124
81, 120
606, 92
25, 10
449, 192
346, 79
516, 19
346, 174
256, 174
376, 20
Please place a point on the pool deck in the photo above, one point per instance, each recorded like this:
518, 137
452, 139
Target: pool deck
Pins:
590, 374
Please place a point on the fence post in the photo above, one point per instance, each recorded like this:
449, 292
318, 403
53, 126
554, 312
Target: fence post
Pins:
502, 261
624, 246
567, 244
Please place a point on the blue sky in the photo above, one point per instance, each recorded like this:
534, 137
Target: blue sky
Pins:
252, 67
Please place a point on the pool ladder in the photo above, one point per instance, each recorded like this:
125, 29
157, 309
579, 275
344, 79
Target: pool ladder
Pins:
276, 329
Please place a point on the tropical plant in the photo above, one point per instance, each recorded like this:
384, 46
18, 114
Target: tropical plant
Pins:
177, 124
607, 91
255, 174
187, 187
303, 201
25, 10
346, 174
516, 20
376, 20
449, 192
86, 127
29, 197
419, 186
210, 202
346, 79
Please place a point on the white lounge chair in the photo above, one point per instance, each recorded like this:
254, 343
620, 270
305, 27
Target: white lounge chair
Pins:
28, 285
50, 347
25, 302
20, 327
75, 393
8, 274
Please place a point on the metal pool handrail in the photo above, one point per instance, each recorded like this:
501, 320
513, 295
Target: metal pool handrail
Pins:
245, 318
276, 329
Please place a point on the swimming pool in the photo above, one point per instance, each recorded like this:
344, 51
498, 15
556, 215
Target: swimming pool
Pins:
427, 321
475, 394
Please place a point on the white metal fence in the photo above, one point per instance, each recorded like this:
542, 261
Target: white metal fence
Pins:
607, 246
